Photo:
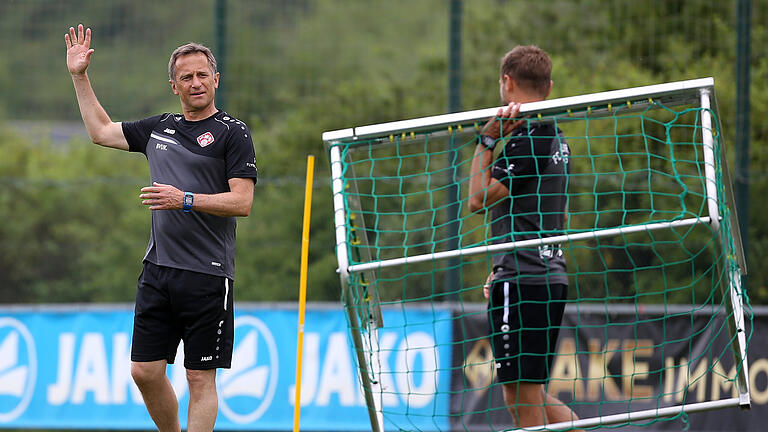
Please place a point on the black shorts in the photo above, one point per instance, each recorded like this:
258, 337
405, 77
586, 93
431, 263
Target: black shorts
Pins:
524, 323
174, 305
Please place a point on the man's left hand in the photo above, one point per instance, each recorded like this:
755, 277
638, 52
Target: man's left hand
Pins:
162, 197
502, 124
487, 285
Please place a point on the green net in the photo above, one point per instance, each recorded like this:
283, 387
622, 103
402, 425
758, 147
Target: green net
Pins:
654, 312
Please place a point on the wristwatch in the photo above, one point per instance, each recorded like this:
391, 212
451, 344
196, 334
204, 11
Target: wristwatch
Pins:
189, 200
487, 141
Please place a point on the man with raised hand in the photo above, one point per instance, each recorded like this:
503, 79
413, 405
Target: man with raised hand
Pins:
524, 189
203, 170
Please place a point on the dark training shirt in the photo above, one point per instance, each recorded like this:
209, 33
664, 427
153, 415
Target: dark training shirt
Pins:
534, 167
198, 157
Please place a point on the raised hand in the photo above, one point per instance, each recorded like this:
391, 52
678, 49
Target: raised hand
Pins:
502, 125
78, 50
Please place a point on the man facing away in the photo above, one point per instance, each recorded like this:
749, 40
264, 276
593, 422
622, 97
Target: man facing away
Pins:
524, 190
203, 170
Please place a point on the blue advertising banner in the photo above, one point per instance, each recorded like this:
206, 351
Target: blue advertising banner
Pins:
64, 368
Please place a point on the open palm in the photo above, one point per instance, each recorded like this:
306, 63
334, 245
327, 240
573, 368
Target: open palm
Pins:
78, 50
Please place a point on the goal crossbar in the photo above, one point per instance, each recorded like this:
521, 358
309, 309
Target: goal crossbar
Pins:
634, 416
592, 105
502, 247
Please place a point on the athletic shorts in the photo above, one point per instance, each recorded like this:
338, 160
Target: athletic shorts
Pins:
175, 305
524, 324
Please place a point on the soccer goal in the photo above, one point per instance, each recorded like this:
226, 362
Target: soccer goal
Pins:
651, 227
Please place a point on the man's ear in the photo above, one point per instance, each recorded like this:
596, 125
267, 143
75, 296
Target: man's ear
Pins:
216, 80
509, 83
173, 87
549, 90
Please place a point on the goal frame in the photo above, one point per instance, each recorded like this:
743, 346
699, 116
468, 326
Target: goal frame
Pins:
698, 92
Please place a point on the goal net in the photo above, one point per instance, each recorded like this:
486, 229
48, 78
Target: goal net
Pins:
651, 233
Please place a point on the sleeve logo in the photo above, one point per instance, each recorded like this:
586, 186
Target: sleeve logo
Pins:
205, 139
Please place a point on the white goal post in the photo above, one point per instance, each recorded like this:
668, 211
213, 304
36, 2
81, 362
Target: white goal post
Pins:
698, 92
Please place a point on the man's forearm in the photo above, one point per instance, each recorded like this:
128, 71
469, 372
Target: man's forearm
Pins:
479, 179
95, 118
225, 204
236, 202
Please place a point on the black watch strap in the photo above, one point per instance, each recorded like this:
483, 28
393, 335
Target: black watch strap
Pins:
487, 141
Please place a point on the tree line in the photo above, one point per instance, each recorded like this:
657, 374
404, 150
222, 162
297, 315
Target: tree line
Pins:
74, 229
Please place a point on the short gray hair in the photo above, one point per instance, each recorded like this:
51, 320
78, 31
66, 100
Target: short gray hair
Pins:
186, 49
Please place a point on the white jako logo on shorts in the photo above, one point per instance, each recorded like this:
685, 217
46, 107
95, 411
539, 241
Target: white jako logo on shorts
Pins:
247, 389
205, 139
18, 368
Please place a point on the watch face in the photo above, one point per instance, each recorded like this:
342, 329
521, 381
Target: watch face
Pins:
188, 200
488, 141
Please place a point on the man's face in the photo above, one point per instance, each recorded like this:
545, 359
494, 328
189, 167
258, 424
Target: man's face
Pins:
195, 82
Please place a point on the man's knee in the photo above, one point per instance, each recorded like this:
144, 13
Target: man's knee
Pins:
510, 393
523, 394
201, 379
144, 373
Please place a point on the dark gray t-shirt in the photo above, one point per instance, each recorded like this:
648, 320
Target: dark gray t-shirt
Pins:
534, 167
198, 157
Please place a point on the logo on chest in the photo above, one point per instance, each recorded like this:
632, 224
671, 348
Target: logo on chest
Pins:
205, 139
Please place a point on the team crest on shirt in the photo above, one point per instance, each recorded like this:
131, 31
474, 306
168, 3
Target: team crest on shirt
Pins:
205, 139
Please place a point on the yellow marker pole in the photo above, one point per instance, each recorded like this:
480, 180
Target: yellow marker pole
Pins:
303, 287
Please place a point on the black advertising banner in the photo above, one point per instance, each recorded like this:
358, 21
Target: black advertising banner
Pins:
619, 359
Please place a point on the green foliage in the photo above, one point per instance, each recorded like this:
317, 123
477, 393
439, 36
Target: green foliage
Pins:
74, 229
73, 223
132, 44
